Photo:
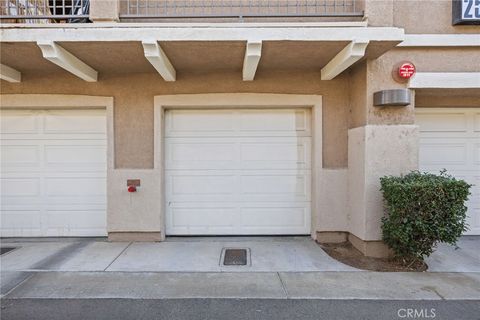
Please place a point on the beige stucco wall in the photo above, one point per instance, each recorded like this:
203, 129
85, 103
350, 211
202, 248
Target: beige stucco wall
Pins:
331, 195
370, 76
427, 16
379, 13
367, 78
420, 16
133, 100
379, 77
358, 96
134, 212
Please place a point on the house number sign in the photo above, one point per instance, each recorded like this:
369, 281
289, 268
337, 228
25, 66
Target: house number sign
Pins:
466, 12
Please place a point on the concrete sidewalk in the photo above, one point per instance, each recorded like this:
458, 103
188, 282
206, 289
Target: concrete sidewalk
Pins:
180, 268
251, 285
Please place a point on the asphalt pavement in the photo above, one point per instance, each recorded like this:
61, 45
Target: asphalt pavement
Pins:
236, 309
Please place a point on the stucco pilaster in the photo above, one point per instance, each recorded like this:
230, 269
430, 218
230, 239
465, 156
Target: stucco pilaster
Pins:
375, 151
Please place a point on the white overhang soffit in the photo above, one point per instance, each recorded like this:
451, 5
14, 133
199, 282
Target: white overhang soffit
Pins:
159, 60
445, 80
64, 59
353, 52
9, 74
253, 53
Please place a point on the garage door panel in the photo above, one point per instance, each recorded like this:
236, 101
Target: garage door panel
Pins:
205, 122
260, 217
75, 187
474, 221
68, 121
53, 161
189, 151
52, 156
441, 153
266, 122
225, 186
449, 139
76, 155
64, 221
16, 122
21, 223
215, 218
248, 175
273, 154
20, 187
442, 122
203, 217
264, 151
476, 154
476, 127
19, 156
238, 123
200, 185
28, 219
288, 186
238, 153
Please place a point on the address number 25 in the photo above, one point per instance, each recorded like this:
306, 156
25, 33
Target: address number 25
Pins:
471, 9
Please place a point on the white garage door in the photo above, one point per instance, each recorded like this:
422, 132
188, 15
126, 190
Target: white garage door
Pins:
53, 174
450, 139
239, 172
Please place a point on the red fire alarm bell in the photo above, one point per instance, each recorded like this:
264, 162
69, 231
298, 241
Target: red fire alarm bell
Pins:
403, 71
132, 189
406, 70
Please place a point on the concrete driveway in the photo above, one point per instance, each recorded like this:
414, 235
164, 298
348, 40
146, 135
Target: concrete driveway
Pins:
266, 254
465, 257
202, 254
90, 279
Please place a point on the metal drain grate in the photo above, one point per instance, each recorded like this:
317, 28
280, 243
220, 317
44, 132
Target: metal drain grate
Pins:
4, 250
235, 257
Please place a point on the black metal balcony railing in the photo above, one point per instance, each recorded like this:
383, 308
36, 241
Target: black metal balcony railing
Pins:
164, 9
44, 11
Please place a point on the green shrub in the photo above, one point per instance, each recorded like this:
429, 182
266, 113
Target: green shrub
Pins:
422, 210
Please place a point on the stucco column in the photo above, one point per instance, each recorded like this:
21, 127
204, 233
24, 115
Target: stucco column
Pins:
104, 10
375, 151
381, 141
